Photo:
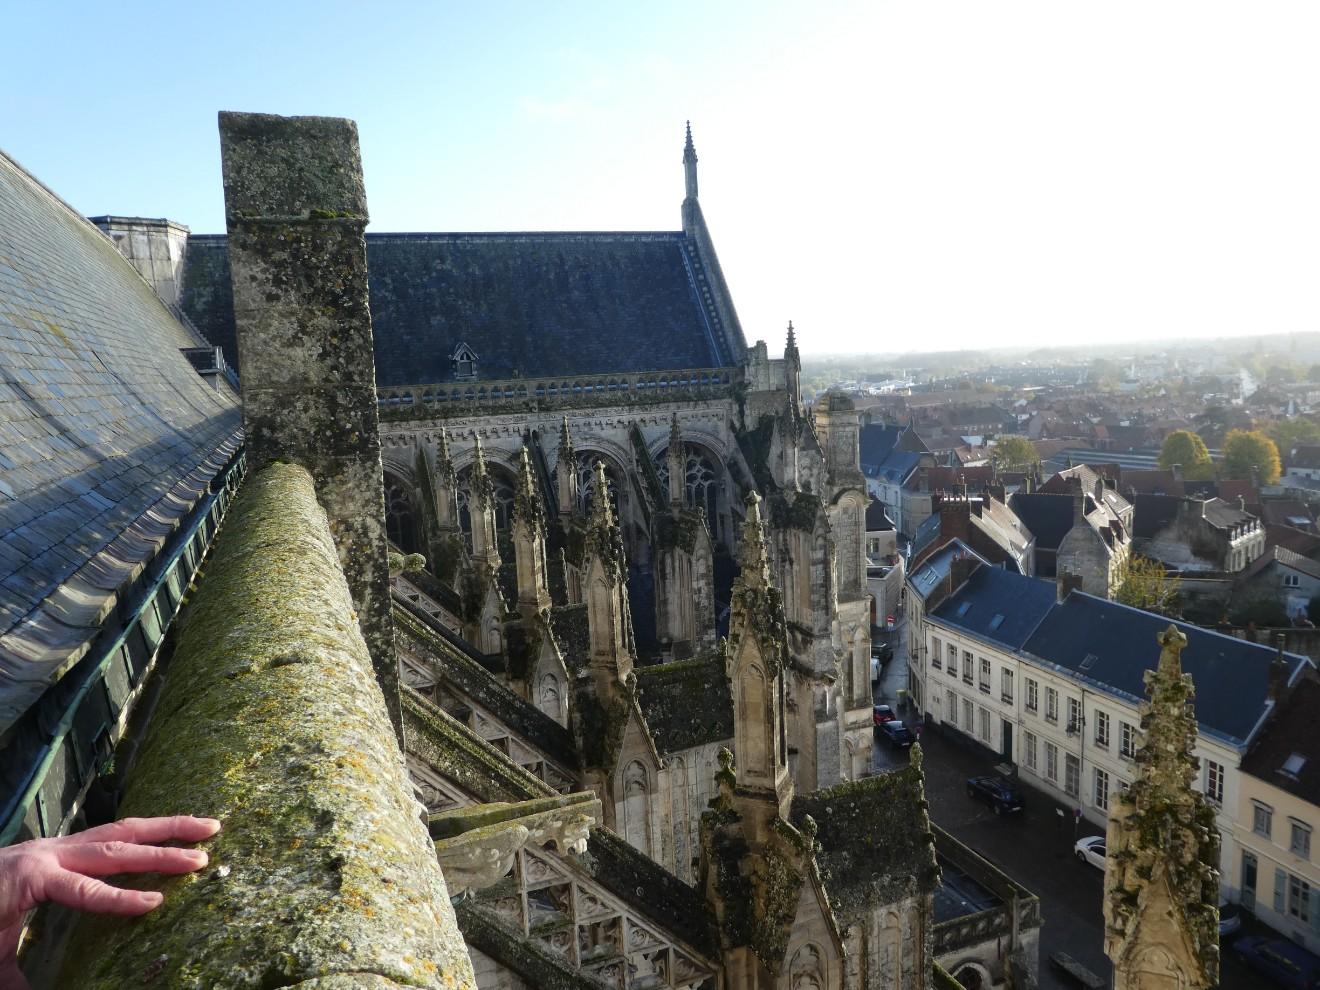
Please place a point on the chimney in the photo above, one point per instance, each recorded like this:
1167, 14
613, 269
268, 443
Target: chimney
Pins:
1278, 672
1242, 503
955, 518
1067, 584
1177, 472
1079, 508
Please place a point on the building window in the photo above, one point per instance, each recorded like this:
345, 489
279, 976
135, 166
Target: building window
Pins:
1127, 740
967, 667
1006, 684
1051, 705
953, 660
953, 708
936, 660
968, 724
1029, 744
1102, 729
1101, 789
1033, 701
1299, 840
985, 724
984, 680
1291, 581
1074, 715
1072, 775
1214, 781
1262, 819
1051, 761
1299, 898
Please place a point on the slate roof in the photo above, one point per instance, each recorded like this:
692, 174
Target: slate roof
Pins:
1151, 513
896, 468
877, 517
927, 533
1151, 482
1284, 557
1290, 733
926, 576
874, 443
1221, 515
687, 702
1111, 646
1048, 517
999, 606
108, 437
875, 843
530, 305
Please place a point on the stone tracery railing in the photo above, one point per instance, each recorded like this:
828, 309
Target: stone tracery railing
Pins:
461, 398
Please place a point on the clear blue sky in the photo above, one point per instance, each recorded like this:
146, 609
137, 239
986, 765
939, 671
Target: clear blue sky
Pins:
891, 176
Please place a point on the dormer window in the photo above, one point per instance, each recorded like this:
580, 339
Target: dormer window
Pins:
464, 361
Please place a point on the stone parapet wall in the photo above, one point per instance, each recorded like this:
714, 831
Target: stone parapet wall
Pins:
271, 720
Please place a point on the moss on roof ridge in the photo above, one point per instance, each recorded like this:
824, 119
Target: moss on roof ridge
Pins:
270, 719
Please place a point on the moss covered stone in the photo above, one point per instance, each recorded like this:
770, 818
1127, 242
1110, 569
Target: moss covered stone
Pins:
270, 719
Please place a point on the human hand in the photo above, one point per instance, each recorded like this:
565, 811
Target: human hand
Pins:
64, 870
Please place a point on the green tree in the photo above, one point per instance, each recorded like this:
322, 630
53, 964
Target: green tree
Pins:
1144, 584
1288, 433
1186, 448
1247, 452
1014, 453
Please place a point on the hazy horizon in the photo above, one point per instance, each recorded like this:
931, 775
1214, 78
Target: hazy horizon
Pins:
892, 177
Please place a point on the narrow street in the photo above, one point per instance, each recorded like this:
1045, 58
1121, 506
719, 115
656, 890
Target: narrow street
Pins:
1034, 848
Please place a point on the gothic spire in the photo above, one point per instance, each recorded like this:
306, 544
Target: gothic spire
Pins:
483, 489
757, 607
1161, 876
565, 440
690, 164
677, 465
791, 348
527, 501
604, 539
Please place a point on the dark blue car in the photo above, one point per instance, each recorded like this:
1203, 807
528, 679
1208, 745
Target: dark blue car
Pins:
896, 732
1284, 962
1001, 795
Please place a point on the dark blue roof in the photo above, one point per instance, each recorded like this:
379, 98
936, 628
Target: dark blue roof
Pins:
529, 305
875, 443
897, 467
1049, 517
1113, 646
925, 534
998, 605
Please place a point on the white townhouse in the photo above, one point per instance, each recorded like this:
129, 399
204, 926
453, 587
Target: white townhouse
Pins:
1054, 686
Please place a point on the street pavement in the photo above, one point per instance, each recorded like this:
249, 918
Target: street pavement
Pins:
1034, 847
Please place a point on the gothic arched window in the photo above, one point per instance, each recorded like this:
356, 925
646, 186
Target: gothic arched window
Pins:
701, 483
400, 522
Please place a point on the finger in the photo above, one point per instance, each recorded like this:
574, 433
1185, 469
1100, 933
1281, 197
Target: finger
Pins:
85, 894
184, 828
99, 859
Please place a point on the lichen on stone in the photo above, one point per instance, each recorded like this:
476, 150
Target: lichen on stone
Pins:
270, 719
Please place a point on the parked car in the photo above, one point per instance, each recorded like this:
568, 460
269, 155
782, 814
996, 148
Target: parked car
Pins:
882, 714
1230, 919
1284, 962
1091, 849
997, 792
897, 733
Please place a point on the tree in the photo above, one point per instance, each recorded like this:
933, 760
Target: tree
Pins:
1251, 454
1187, 449
1144, 584
1288, 433
1014, 453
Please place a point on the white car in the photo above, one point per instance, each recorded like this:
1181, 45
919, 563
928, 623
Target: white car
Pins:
1091, 850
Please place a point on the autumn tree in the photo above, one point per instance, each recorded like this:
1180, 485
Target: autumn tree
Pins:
1014, 453
1248, 454
1144, 584
1185, 448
